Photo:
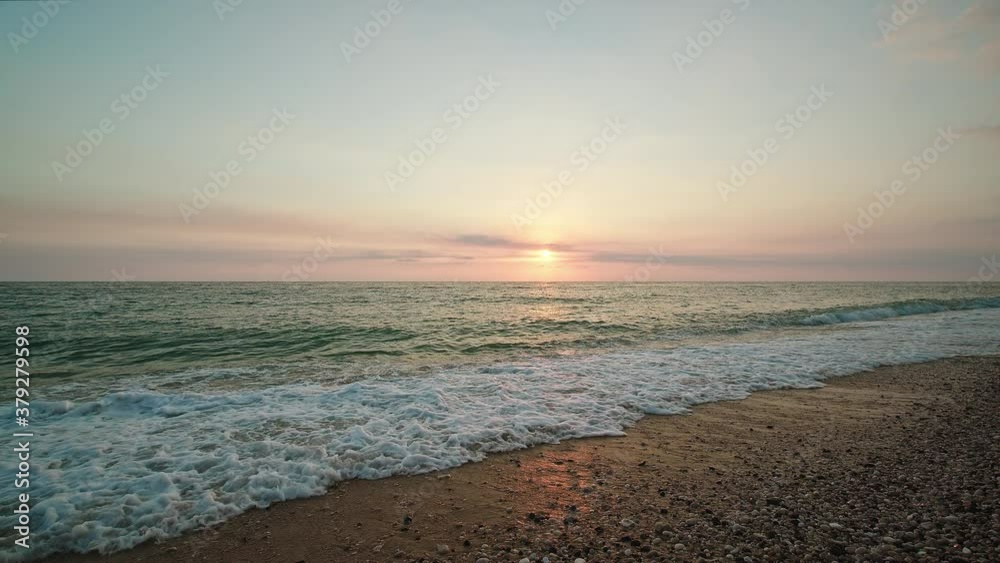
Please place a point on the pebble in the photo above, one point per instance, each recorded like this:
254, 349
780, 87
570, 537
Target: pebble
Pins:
806, 491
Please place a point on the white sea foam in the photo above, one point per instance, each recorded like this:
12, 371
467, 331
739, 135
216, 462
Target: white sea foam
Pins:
137, 465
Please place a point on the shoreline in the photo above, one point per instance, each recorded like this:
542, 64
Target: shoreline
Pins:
774, 474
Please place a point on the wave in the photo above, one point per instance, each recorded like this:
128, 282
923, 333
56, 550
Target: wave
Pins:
140, 464
899, 309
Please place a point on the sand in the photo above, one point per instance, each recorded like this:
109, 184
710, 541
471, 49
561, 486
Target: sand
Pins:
901, 463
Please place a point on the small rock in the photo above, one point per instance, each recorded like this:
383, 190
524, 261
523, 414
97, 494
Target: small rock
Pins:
443, 549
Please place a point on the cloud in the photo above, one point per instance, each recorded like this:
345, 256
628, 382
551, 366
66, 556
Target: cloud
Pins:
658, 257
485, 240
989, 55
488, 241
990, 132
912, 257
983, 13
928, 34
405, 255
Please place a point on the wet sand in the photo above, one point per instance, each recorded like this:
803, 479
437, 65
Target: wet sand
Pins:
900, 463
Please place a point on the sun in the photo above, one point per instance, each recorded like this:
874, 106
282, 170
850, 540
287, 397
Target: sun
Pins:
545, 253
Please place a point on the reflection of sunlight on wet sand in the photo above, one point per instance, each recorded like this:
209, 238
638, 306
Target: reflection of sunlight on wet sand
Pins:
554, 482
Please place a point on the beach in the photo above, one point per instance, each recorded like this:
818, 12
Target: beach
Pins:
900, 462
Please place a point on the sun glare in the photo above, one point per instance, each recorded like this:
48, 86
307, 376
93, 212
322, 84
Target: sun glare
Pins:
546, 254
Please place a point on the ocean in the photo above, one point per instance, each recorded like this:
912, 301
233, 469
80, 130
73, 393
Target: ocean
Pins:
157, 408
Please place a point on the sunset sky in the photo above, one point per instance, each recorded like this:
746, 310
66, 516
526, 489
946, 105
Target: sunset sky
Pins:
326, 197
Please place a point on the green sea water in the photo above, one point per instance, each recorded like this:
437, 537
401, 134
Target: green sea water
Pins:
162, 407
99, 331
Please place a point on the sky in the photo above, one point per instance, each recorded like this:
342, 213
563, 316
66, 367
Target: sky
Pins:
529, 140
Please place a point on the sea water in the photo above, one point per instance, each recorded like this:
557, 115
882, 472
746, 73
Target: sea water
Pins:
160, 408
